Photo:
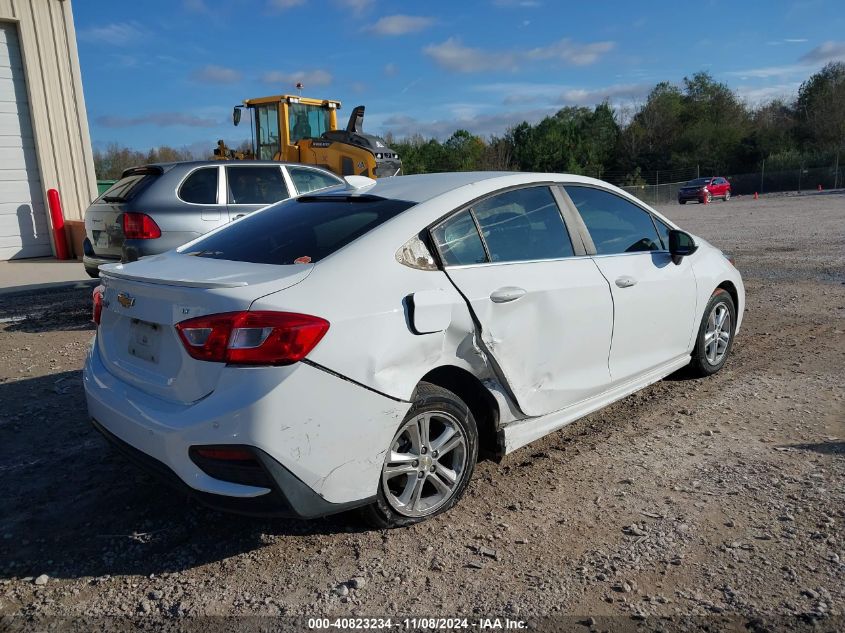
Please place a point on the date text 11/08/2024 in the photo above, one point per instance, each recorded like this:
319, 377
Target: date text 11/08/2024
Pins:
414, 624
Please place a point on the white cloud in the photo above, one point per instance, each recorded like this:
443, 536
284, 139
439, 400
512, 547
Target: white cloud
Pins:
453, 55
391, 69
483, 125
316, 77
571, 52
284, 5
356, 6
211, 74
195, 6
157, 119
769, 71
517, 4
757, 95
401, 24
116, 33
827, 52
613, 94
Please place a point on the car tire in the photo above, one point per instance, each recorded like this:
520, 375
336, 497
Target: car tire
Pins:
682, 201
439, 420
715, 334
727, 196
94, 273
708, 198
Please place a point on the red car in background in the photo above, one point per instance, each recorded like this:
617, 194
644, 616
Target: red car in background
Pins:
705, 189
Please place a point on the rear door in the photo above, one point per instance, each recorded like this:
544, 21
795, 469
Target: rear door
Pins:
545, 313
252, 187
201, 190
654, 299
104, 218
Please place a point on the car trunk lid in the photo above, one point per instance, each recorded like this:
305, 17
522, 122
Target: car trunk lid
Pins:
144, 300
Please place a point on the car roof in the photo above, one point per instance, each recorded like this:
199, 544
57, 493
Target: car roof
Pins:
198, 163
419, 187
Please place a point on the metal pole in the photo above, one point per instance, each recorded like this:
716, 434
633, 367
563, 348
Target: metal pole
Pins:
697, 171
836, 171
762, 173
657, 190
800, 170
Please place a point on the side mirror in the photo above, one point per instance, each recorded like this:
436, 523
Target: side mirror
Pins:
680, 245
236, 115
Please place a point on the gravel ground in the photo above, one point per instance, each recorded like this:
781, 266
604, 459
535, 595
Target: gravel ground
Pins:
719, 499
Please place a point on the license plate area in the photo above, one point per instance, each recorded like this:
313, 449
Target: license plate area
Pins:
144, 340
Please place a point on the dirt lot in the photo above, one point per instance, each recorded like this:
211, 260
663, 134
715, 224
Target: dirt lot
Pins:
707, 498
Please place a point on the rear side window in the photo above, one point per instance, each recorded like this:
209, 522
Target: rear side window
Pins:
302, 230
523, 224
200, 187
458, 241
616, 225
256, 185
306, 180
127, 187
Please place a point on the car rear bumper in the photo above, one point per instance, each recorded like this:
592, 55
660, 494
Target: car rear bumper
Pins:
321, 453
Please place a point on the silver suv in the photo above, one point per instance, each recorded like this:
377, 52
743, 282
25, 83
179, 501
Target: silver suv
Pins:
155, 208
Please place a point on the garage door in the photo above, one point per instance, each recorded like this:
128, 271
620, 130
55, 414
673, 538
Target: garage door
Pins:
23, 221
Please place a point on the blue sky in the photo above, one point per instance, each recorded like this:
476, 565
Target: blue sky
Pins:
169, 71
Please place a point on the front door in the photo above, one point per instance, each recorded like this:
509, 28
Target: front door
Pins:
653, 298
545, 314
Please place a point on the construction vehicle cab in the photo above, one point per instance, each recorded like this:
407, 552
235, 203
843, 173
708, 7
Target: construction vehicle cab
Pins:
305, 130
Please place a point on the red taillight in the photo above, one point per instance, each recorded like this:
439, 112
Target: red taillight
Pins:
140, 226
97, 304
224, 454
252, 338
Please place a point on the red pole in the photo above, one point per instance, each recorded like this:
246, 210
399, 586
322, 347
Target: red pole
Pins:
58, 224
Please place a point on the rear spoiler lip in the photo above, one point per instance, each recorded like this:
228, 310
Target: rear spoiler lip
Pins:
108, 270
143, 169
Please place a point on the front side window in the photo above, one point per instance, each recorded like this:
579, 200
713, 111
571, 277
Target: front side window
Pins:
256, 185
306, 180
522, 225
307, 121
458, 241
200, 187
267, 131
663, 229
299, 231
616, 225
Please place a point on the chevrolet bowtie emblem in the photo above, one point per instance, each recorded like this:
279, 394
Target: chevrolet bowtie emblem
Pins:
126, 300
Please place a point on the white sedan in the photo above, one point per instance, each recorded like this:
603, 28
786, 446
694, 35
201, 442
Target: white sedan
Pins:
359, 347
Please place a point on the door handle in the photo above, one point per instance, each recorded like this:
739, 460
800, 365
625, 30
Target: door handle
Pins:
508, 293
626, 282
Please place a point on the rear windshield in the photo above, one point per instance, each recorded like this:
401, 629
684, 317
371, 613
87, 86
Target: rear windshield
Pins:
128, 186
299, 231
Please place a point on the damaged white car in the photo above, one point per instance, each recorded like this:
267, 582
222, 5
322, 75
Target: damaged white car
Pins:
359, 347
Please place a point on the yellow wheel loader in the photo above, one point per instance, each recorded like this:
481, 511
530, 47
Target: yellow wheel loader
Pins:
304, 130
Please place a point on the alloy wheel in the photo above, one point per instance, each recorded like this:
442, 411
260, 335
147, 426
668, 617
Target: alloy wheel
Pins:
427, 459
717, 334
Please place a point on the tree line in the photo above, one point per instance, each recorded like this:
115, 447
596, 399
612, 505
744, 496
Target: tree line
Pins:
700, 125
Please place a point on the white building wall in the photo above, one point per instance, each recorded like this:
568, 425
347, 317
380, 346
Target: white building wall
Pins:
47, 40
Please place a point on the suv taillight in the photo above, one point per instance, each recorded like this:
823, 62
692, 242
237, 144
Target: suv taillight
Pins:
97, 304
140, 226
252, 338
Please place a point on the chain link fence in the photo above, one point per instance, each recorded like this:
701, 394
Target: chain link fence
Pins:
796, 180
